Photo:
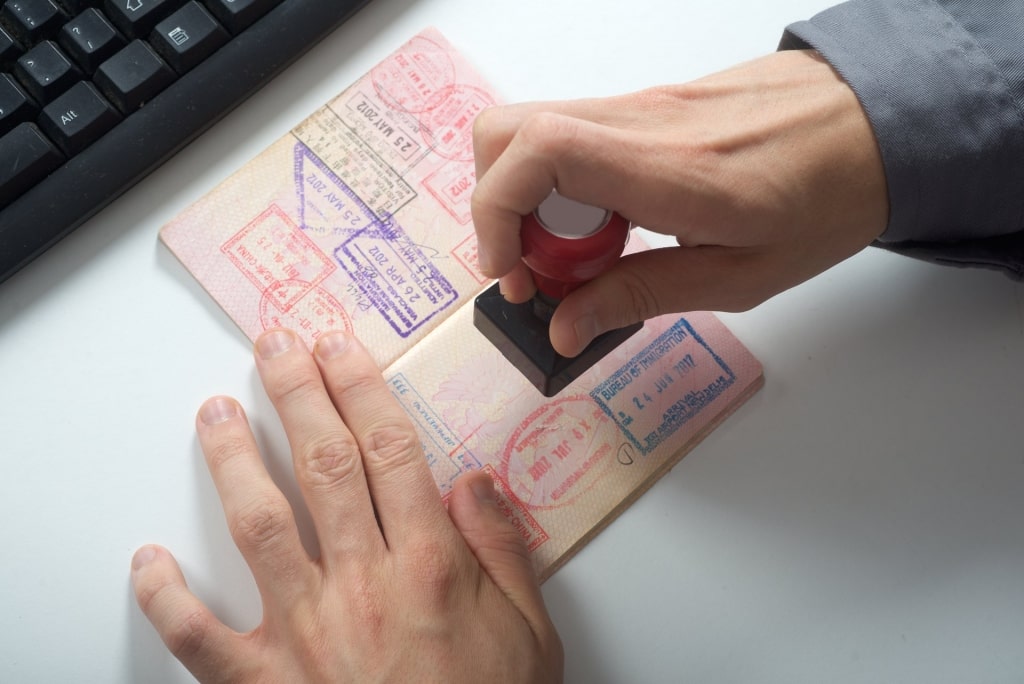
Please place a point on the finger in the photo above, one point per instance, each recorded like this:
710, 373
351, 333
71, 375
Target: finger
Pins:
404, 493
328, 465
475, 509
206, 646
588, 162
517, 285
669, 280
261, 521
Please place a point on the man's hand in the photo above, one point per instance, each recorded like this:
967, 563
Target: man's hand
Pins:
766, 174
403, 591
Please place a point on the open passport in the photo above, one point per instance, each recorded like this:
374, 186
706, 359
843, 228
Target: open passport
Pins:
359, 219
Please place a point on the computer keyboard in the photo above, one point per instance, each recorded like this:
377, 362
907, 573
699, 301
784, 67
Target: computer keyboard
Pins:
96, 94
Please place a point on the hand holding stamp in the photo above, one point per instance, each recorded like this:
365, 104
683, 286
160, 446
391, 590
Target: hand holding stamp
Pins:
565, 244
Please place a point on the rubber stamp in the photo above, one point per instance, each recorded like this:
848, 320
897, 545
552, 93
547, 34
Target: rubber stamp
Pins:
565, 244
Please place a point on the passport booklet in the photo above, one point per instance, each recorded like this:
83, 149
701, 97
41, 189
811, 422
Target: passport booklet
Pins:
359, 219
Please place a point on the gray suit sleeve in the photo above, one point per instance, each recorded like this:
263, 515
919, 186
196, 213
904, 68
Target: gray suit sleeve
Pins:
942, 83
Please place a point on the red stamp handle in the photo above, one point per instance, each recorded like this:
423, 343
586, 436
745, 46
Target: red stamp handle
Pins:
567, 243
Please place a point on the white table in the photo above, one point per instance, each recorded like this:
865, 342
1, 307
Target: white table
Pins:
859, 520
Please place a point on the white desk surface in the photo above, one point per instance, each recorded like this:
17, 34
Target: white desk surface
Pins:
860, 520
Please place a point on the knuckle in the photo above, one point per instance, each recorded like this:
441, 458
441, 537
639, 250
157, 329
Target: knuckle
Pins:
484, 126
261, 524
433, 570
641, 299
297, 384
227, 448
147, 593
186, 638
329, 460
392, 444
548, 133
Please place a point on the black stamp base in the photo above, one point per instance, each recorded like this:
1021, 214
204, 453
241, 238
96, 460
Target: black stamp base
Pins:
521, 335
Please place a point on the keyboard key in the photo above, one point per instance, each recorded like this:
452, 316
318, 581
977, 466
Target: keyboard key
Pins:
187, 37
46, 72
15, 105
133, 76
136, 18
28, 158
90, 39
10, 51
30, 21
73, 8
238, 15
78, 118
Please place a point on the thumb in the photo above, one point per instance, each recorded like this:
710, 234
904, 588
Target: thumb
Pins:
477, 511
658, 281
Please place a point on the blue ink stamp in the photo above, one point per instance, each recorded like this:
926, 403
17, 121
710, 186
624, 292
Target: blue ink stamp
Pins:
663, 387
327, 205
396, 276
446, 454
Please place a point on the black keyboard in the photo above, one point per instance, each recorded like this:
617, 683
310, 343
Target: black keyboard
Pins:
96, 94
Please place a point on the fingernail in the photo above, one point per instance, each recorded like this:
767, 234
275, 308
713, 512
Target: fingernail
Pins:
586, 329
218, 410
143, 556
331, 344
274, 343
483, 489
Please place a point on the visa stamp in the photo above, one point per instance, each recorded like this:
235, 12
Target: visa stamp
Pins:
467, 253
271, 250
384, 125
516, 512
556, 453
448, 127
447, 455
416, 77
660, 389
394, 274
330, 145
327, 206
452, 186
314, 313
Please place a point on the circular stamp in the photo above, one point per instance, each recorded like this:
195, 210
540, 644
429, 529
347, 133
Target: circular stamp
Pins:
416, 78
313, 312
448, 127
554, 456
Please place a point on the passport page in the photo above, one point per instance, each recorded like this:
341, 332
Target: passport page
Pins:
359, 218
565, 466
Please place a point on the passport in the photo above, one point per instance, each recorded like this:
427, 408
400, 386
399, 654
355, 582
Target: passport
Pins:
359, 219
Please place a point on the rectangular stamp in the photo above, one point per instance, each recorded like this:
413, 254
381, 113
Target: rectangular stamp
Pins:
400, 281
446, 454
659, 390
452, 186
467, 254
354, 162
381, 122
278, 258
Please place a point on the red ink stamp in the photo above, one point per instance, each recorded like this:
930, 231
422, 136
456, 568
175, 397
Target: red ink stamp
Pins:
467, 254
514, 510
272, 250
313, 313
448, 126
418, 76
555, 455
452, 186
